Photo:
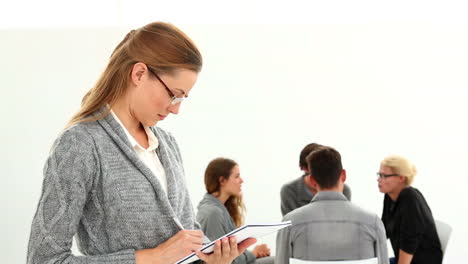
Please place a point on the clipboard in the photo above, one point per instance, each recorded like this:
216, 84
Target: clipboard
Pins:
241, 233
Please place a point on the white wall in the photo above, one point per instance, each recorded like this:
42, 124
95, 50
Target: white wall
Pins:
368, 87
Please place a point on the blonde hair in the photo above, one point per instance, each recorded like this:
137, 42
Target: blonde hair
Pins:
160, 45
401, 166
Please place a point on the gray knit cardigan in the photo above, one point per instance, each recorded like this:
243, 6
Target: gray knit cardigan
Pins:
96, 187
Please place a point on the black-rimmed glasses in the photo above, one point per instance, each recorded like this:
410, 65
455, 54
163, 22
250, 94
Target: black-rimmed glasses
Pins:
174, 99
384, 176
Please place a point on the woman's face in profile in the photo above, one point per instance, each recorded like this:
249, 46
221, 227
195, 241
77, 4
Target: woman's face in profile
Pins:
388, 183
233, 185
151, 101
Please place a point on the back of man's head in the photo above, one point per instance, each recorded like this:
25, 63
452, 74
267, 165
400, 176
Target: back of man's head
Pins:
325, 166
305, 152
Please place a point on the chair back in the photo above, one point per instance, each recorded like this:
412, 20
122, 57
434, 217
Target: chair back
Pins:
444, 231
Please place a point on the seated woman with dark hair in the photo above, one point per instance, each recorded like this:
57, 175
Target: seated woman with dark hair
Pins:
221, 210
406, 215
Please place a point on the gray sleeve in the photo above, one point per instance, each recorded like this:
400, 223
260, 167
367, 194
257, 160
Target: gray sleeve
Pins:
283, 246
347, 192
381, 242
287, 200
68, 178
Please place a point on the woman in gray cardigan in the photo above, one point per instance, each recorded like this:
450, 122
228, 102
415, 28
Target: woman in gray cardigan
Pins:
221, 210
113, 179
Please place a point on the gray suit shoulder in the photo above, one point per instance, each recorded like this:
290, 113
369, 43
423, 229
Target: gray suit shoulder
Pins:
291, 185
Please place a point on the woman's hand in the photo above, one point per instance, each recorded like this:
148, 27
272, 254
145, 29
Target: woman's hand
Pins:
180, 245
226, 250
261, 251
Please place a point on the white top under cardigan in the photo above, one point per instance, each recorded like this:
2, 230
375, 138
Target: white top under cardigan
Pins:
148, 156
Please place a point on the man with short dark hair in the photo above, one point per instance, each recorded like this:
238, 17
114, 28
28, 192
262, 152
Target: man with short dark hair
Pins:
330, 227
300, 191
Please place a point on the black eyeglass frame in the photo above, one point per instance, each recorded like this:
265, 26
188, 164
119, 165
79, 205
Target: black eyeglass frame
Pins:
384, 176
174, 99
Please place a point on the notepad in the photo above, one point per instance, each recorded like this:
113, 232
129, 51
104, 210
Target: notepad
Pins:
241, 233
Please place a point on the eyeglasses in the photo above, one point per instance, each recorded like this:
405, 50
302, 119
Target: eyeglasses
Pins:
384, 176
174, 99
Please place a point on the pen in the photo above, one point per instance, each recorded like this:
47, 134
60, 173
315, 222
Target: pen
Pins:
178, 224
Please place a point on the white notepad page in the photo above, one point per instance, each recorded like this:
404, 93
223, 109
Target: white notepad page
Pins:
241, 233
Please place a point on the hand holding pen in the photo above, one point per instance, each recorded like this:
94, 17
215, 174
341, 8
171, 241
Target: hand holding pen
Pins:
185, 242
178, 246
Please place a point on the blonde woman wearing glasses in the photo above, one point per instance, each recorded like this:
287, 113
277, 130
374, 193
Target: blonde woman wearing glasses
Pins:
113, 178
406, 215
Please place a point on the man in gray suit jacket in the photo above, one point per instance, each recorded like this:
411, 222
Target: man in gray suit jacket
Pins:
330, 227
300, 191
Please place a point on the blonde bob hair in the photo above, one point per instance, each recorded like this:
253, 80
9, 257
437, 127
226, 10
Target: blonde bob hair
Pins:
161, 46
401, 166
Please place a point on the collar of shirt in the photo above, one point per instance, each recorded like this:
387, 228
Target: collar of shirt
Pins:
152, 140
328, 195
